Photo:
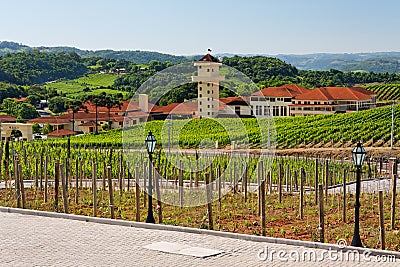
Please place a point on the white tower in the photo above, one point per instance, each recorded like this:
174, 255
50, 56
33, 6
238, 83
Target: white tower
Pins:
208, 79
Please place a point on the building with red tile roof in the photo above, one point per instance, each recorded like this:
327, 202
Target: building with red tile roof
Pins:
275, 100
7, 118
61, 133
329, 100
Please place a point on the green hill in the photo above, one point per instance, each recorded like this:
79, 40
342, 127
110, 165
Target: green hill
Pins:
139, 57
92, 83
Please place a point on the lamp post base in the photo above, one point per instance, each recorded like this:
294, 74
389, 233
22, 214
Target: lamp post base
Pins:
356, 242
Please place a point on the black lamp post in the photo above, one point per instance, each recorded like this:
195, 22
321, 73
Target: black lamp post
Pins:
358, 157
150, 145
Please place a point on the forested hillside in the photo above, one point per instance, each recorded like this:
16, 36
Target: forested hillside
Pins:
139, 57
36, 67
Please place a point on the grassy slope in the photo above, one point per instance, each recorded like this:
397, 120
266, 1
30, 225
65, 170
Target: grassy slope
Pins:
341, 130
96, 82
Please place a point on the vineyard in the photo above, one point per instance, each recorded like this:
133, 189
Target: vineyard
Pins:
103, 182
340, 130
94, 83
385, 91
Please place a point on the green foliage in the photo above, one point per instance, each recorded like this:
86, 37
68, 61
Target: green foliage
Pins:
37, 67
47, 128
20, 110
36, 128
57, 104
267, 71
10, 91
33, 99
260, 68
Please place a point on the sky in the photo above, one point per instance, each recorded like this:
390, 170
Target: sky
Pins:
187, 27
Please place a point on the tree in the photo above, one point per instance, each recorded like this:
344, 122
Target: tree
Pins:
34, 100
27, 111
75, 105
97, 100
111, 101
57, 104
47, 128
36, 128
20, 110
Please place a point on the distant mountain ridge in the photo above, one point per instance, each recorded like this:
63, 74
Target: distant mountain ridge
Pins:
369, 62
378, 62
140, 57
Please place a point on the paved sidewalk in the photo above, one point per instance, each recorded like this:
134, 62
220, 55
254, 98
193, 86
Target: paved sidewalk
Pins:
28, 240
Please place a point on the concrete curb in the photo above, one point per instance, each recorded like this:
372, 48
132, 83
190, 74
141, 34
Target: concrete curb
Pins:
246, 237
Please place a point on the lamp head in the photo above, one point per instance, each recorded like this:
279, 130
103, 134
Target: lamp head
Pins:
358, 155
150, 142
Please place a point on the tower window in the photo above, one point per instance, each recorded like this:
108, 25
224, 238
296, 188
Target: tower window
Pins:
208, 106
200, 95
200, 102
200, 82
208, 70
208, 84
212, 91
201, 88
208, 91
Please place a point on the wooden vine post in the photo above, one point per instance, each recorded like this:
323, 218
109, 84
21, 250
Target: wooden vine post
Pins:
137, 193
209, 202
344, 196
157, 179
393, 204
110, 191
263, 218
381, 220
94, 188
301, 191
321, 213
56, 184
64, 187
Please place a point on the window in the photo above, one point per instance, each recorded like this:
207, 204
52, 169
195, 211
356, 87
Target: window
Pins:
258, 110
272, 99
275, 111
208, 113
200, 68
288, 100
254, 98
208, 84
212, 70
199, 102
266, 110
201, 81
200, 88
212, 91
208, 91
200, 110
200, 95
208, 70
208, 106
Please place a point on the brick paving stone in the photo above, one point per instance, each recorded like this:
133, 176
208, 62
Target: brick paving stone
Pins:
42, 241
